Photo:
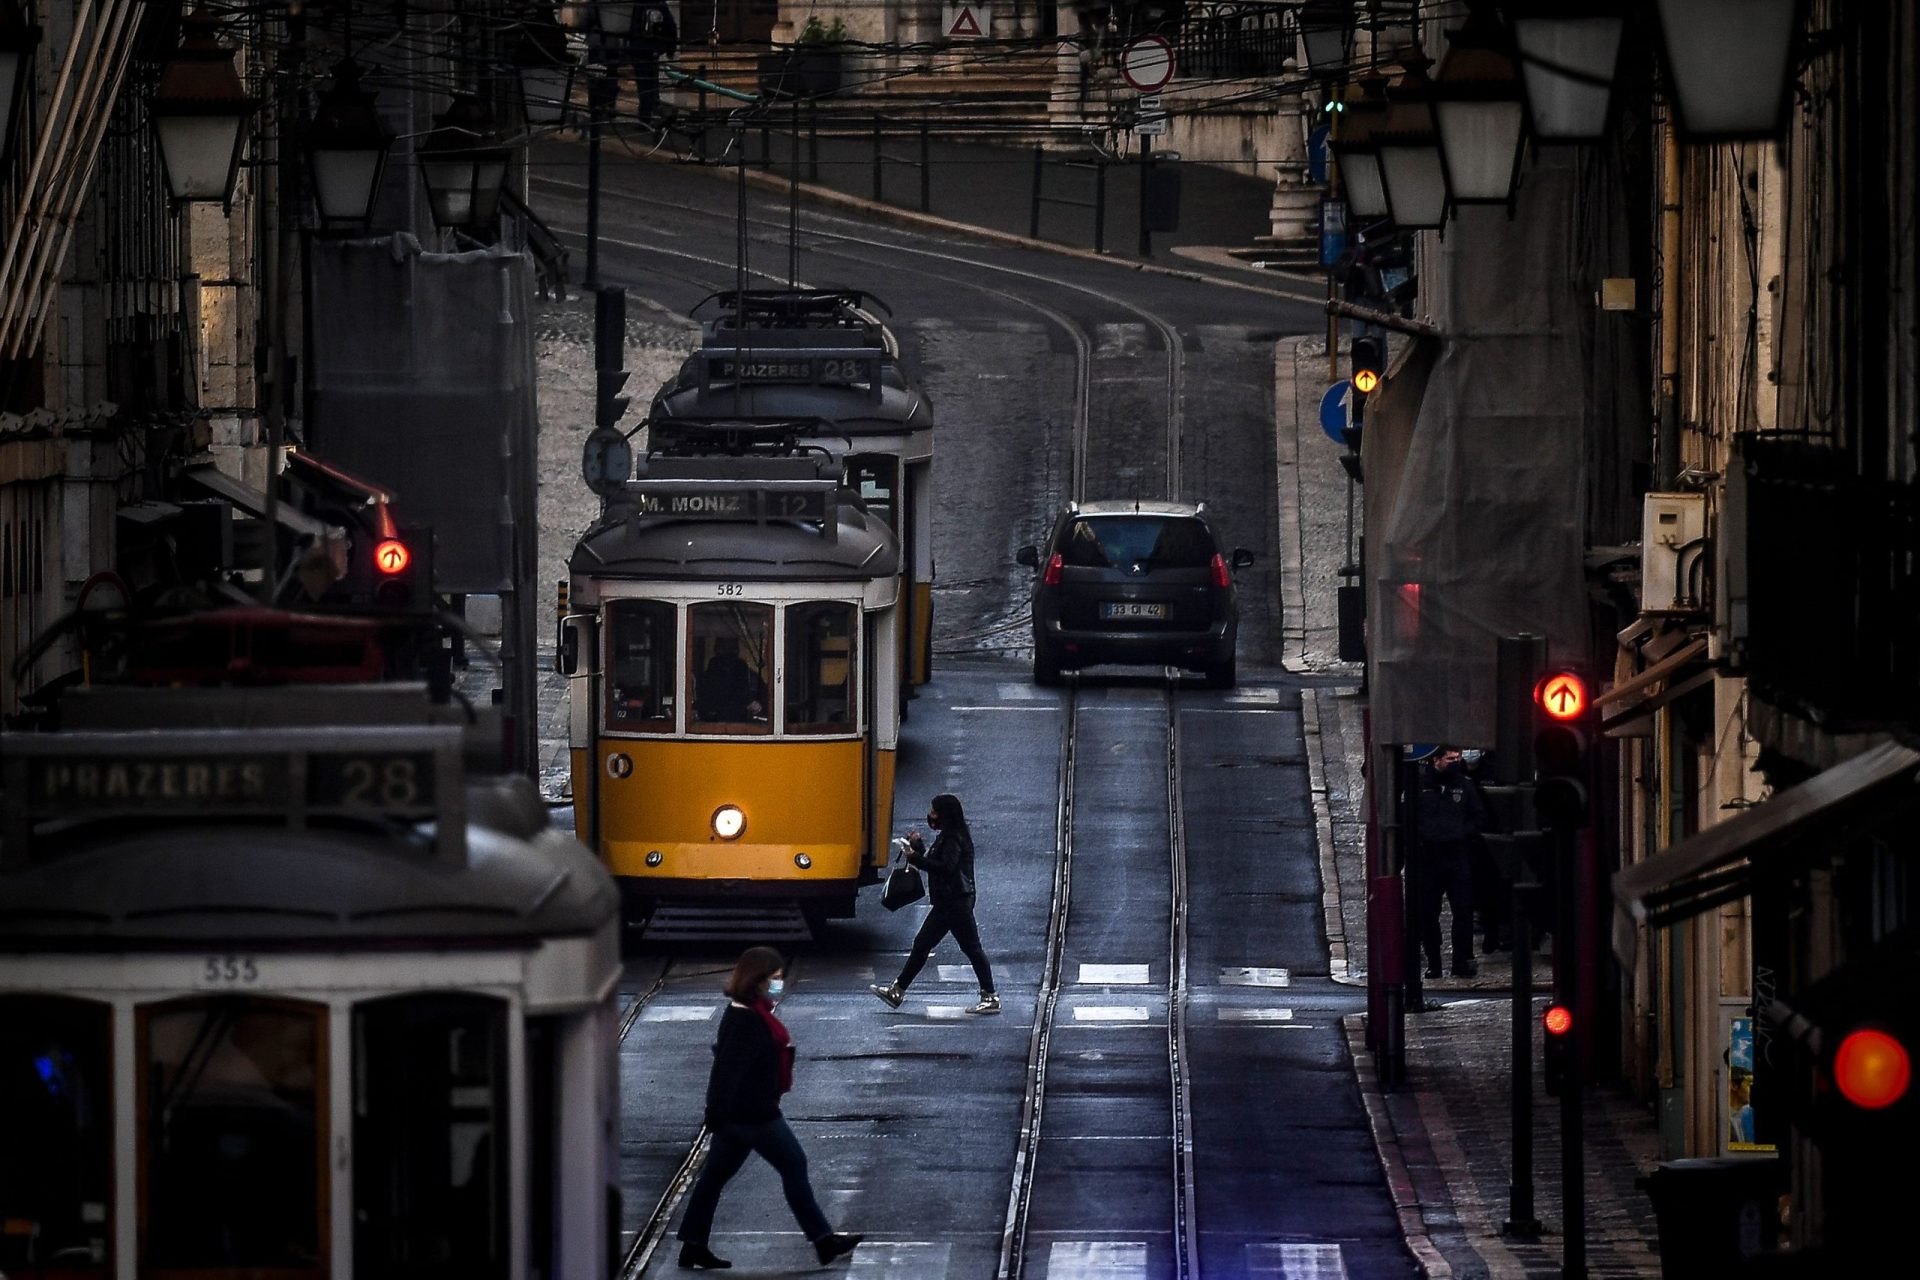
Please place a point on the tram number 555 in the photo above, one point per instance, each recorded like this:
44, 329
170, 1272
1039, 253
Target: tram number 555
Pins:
228, 971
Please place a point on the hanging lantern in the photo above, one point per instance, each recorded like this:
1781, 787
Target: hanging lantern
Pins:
1409, 147
1479, 112
463, 164
1326, 36
18, 39
1356, 150
200, 112
347, 146
546, 66
1569, 52
1730, 65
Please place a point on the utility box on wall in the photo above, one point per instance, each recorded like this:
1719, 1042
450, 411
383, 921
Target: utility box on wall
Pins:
1673, 553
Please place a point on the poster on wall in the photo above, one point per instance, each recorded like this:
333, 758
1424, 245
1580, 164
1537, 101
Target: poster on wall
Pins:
1740, 1130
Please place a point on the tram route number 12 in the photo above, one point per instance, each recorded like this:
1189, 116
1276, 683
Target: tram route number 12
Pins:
228, 971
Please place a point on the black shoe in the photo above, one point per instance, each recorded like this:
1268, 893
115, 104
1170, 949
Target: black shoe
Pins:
1467, 970
1433, 971
830, 1247
697, 1257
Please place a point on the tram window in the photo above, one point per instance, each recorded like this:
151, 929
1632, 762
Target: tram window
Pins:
876, 476
640, 666
818, 678
234, 1110
430, 1138
56, 1159
730, 659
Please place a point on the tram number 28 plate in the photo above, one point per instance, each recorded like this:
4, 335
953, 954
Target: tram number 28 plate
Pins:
227, 970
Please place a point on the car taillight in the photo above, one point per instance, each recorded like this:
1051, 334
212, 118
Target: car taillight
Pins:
1052, 578
1221, 578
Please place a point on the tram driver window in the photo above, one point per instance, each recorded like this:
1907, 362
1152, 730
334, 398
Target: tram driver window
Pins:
56, 1158
731, 661
640, 666
819, 671
875, 476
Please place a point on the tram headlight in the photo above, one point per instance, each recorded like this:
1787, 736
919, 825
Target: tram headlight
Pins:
802, 861
655, 858
729, 822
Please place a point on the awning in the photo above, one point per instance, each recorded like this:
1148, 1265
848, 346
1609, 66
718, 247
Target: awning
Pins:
254, 502
1637, 720
1715, 866
1658, 671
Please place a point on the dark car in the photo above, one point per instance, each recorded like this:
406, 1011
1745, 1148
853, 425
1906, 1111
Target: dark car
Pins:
1134, 582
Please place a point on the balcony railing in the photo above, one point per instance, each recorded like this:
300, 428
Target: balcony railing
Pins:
1233, 41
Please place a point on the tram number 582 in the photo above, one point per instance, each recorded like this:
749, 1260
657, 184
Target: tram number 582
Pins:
229, 971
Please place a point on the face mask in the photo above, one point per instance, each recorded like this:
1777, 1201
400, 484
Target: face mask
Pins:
775, 988
933, 821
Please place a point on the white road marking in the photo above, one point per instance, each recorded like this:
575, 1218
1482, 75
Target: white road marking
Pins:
1296, 1261
1110, 1013
1230, 711
1245, 977
1256, 1015
907, 1259
1114, 975
947, 1012
1253, 695
998, 707
955, 973
679, 1012
1097, 1260
1019, 692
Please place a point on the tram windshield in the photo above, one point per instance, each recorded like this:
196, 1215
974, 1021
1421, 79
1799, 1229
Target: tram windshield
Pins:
232, 1106
640, 666
429, 1136
730, 662
876, 476
56, 1170
818, 677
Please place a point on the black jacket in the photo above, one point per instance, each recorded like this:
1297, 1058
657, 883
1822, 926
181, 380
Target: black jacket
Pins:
1451, 808
949, 867
745, 1085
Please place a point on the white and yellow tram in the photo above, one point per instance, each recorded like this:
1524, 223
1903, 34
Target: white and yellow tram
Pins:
824, 361
285, 992
734, 721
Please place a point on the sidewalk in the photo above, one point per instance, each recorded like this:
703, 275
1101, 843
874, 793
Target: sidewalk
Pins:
1444, 1137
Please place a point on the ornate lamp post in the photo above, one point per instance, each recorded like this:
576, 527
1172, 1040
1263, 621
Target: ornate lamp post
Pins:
18, 38
1479, 112
347, 146
1569, 52
463, 164
200, 111
1356, 150
1326, 35
1409, 147
1730, 65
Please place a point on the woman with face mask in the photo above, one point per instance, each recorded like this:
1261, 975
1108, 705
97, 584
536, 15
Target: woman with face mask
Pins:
752, 1067
949, 868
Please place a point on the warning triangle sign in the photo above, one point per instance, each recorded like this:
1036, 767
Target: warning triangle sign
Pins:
965, 25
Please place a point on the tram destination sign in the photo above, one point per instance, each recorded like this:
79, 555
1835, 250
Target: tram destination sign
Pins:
731, 503
833, 370
372, 782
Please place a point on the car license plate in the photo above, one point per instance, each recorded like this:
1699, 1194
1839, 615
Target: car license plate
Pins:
1131, 609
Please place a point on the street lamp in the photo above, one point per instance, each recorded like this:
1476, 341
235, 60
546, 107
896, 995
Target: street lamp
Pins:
1479, 112
1409, 146
1569, 51
347, 146
200, 111
1326, 34
1356, 151
1730, 65
18, 37
546, 68
463, 164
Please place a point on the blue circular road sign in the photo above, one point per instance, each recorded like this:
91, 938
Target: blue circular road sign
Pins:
1335, 410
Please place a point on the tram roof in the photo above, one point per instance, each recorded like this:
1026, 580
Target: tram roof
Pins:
900, 408
657, 547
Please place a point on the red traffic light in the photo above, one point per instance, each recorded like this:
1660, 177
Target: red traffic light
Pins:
1558, 1020
1562, 695
392, 556
1872, 1069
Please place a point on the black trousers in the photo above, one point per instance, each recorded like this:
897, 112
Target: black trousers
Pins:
944, 918
1446, 871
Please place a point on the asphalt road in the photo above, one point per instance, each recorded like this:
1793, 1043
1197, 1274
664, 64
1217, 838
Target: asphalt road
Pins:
912, 1118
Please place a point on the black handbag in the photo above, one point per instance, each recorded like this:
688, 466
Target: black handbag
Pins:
904, 885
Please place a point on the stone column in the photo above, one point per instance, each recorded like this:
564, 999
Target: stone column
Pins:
1294, 215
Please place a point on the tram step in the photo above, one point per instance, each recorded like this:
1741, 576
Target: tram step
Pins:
770, 922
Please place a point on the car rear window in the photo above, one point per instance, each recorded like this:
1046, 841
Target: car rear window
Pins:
1156, 542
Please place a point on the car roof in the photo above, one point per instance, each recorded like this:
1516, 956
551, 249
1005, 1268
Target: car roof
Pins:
1131, 506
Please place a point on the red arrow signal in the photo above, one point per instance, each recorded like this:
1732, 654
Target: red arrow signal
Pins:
1562, 695
392, 556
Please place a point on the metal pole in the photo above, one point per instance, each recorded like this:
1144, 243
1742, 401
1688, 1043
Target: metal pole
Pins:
1573, 1204
766, 140
1520, 1216
1411, 874
1033, 214
877, 197
1100, 204
926, 168
1146, 174
813, 140
596, 115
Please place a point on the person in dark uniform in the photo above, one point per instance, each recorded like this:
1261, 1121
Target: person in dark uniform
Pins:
950, 892
729, 690
1450, 817
655, 36
752, 1067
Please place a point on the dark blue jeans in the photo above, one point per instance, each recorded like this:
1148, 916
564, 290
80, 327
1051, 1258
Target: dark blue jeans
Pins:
778, 1147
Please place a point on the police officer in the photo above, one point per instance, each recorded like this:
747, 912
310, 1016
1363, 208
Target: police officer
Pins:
1451, 816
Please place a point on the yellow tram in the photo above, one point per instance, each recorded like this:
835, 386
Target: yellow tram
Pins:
735, 619
823, 361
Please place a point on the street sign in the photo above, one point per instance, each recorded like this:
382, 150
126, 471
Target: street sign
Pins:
1336, 411
1147, 63
1333, 230
967, 21
1150, 119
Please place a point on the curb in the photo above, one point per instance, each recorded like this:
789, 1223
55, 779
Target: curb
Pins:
1331, 901
1286, 456
1386, 1143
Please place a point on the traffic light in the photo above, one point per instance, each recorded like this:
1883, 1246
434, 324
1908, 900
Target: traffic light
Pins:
1557, 1060
1562, 746
609, 353
400, 569
609, 406
1849, 1083
1369, 362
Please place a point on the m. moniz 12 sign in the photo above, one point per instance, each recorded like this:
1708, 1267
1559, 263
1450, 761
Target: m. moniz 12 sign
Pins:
385, 782
736, 504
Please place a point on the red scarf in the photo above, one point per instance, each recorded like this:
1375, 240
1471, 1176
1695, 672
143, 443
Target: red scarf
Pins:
778, 1030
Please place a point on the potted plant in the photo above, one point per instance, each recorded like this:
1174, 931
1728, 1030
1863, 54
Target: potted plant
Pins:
811, 67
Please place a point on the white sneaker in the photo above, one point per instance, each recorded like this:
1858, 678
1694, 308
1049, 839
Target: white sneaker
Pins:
891, 993
989, 1003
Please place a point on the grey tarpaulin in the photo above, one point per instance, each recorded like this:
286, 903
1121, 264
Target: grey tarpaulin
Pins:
1475, 504
422, 381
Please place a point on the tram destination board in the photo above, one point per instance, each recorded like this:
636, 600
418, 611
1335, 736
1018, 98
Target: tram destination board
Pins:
735, 504
396, 783
832, 370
